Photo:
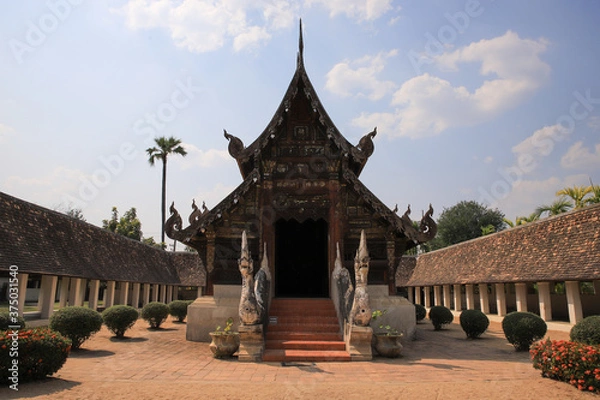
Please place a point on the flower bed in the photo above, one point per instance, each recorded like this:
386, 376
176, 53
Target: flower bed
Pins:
572, 362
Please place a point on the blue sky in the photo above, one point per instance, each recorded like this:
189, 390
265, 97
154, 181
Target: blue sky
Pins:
493, 101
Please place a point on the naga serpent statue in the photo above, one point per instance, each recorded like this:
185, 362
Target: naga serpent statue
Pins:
254, 294
361, 309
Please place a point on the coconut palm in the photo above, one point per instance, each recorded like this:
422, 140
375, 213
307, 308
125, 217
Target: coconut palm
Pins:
559, 206
164, 147
576, 193
521, 220
595, 195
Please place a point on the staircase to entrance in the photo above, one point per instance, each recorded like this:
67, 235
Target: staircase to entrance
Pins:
303, 330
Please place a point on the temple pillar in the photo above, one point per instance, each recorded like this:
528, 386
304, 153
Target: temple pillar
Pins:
110, 294
500, 299
411, 294
163, 293
94, 292
210, 262
447, 296
46, 296
75, 292
135, 295
470, 296
484, 298
417, 295
123, 293
64, 292
335, 223
437, 296
427, 296
169, 294
545, 300
146, 294
22, 293
457, 298
391, 257
574, 301
521, 296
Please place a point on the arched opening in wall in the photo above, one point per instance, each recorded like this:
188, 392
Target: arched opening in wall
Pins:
301, 268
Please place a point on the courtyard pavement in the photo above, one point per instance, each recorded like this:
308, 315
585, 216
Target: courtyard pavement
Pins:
162, 364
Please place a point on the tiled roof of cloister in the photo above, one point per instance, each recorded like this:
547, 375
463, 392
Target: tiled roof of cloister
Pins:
564, 247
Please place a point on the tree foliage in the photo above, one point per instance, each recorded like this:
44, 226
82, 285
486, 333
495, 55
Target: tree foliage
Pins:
464, 221
128, 225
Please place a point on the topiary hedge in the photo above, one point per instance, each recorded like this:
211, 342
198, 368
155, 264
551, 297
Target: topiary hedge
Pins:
155, 313
440, 316
587, 331
118, 319
7, 320
39, 352
474, 323
421, 312
77, 323
178, 309
523, 328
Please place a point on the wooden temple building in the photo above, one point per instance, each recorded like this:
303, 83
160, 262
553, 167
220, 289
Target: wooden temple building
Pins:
300, 196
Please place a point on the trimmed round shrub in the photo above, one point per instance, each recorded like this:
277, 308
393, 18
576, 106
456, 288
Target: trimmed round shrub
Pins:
587, 331
119, 318
474, 323
77, 323
41, 352
421, 312
523, 328
6, 320
440, 316
178, 309
155, 313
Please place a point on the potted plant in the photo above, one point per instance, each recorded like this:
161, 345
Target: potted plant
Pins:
386, 339
225, 342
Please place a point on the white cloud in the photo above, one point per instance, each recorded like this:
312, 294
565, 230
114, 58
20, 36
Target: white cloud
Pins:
540, 144
206, 25
5, 133
579, 157
359, 77
526, 195
360, 10
428, 105
201, 158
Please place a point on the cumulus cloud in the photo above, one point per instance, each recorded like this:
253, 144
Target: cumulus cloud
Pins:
205, 25
427, 105
580, 157
540, 144
201, 158
359, 77
360, 10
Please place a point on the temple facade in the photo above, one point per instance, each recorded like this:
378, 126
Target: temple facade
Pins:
300, 196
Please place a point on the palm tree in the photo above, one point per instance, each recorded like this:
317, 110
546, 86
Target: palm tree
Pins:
164, 147
576, 193
559, 206
595, 194
521, 220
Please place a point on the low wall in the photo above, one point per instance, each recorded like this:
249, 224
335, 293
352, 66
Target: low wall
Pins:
208, 312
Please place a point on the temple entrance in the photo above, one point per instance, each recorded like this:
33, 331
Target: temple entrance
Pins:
301, 258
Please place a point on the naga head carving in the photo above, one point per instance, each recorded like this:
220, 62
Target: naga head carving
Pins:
245, 263
361, 261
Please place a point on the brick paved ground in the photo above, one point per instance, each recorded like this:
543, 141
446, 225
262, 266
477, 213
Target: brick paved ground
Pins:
438, 365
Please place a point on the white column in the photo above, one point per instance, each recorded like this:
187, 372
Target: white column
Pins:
94, 292
200, 290
484, 298
110, 294
64, 292
427, 296
155, 289
47, 294
169, 294
163, 293
123, 292
146, 294
81, 295
545, 300
417, 295
521, 296
500, 299
135, 295
470, 297
437, 296
574, 301
457, 298
411, 294
447, 296
23, 278
74, 291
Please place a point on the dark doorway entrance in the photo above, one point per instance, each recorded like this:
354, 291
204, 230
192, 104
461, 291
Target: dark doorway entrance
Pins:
301, 258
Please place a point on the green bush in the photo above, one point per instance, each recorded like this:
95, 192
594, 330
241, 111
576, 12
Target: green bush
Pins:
523, 328
440, 316
421, 312
178, 309
474, 323
155, 313
6, 320
587, 331
77, 323
571, 362
41, 352
119, 318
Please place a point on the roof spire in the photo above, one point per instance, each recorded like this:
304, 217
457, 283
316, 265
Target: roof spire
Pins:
300, 46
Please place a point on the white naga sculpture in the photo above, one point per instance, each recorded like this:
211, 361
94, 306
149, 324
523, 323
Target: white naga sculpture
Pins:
255, 291
361, 309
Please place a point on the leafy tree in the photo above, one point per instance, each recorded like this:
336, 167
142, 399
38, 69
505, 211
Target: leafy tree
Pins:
464, 221
576, 193
558, 207
71, 211
128, 225
151, 242
164, 147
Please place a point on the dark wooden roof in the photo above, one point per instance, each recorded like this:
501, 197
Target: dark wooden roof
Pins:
39, 240
564, 247
405, 270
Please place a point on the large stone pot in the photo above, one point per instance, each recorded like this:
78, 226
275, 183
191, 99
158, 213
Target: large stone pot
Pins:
223, 345
388, 345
